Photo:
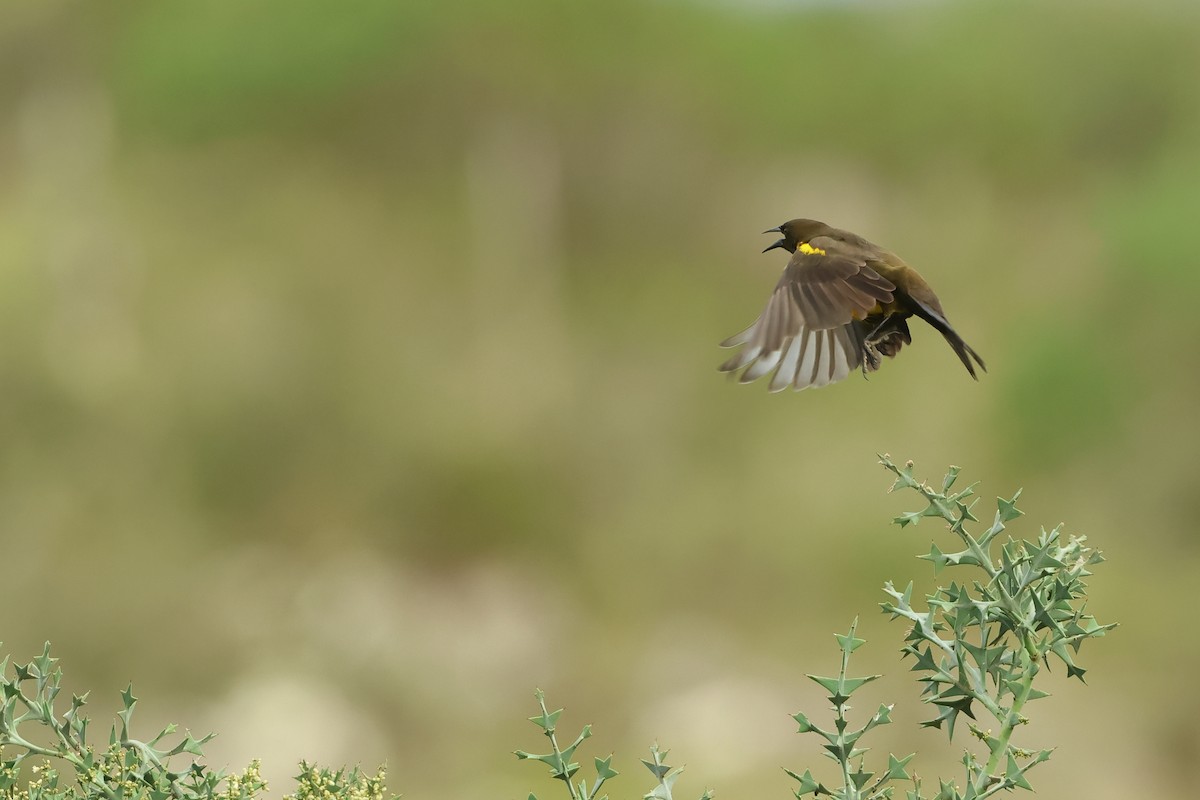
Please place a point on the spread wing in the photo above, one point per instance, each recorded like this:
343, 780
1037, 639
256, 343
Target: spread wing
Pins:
806, 333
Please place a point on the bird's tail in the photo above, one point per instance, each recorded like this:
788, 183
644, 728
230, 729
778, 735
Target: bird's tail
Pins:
963, 350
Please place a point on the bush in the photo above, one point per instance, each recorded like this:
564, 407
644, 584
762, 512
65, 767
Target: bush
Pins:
127, 768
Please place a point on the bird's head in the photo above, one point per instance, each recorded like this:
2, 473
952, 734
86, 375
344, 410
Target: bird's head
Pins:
797, 232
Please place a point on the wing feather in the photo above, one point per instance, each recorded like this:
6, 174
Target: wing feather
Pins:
804, 334
786, 373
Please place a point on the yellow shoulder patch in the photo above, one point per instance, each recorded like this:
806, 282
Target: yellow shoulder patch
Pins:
808, 249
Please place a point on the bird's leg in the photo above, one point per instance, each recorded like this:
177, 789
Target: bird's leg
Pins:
868, 356
878, 328
871, 360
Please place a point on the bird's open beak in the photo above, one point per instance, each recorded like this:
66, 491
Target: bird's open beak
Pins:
780, 243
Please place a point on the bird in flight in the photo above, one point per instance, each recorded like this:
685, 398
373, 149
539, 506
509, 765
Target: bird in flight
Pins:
842, 304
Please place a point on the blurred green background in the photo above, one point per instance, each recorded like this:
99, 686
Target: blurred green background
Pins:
358, 367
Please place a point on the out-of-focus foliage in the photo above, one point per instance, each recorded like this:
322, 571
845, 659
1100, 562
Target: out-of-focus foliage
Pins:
357, 365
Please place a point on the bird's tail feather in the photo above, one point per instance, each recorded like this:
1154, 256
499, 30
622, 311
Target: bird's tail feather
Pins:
963, 350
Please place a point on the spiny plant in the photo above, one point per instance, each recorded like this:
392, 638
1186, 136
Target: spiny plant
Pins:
562, 768
34, 734
976, 645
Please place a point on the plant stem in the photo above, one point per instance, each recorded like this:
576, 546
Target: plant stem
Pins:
851, 792
566, 778
1000, 748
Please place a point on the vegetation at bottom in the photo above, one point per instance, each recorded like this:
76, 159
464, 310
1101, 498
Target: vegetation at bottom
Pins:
978, 644
36, 741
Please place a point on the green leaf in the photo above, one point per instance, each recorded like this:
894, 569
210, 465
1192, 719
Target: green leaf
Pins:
546, 721
951, 708
842, 686
802, 720
1008, 508
960, 704
808, 784
924, 660
44, 662
1014, 686
569, 751
860, 778
128, 701
604, 768
127, 698
524, 755
896, 767
849, 644
1014, 775
936, 557
195, 746
964, 510
951, 476
663, 790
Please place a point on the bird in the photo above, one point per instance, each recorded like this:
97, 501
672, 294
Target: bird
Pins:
843, 303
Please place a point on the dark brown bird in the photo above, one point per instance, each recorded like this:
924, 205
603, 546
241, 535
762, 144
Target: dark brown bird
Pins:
841, 304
